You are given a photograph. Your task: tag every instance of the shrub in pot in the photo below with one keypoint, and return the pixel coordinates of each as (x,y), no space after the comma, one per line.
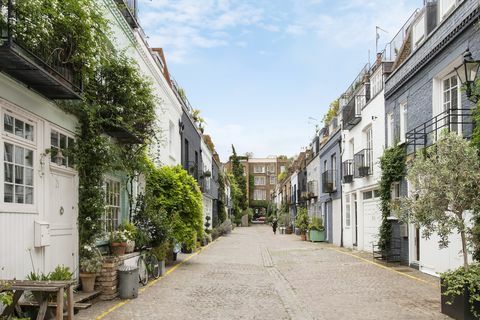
(316,230)
(118,242)
(301,222)
(160,253)
(130,231)
(90,264)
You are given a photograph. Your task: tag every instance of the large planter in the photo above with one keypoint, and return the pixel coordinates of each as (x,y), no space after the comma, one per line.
(88,281)
(289,230)
(303,236)
(460,309)
(130,246)
(317,236)
(118,248)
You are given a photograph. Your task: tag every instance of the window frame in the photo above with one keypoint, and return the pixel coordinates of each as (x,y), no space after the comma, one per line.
(107,206)
(348,211)
(259,178)
(403,121)
(68,135)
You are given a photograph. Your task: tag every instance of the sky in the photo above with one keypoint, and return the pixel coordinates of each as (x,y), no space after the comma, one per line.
(260,70)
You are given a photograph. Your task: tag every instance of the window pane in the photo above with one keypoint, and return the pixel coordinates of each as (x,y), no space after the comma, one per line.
(28,195)
(19,175)
(8,193)
(28,131)
(28,158)
(8,172)
(8,156)
(19,128)
(8,123)
(63,141)
(19,190)
(54,138)
(29,177)
(71,146)
(19,155)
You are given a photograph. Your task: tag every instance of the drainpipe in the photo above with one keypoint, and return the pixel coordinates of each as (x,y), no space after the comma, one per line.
(341,192)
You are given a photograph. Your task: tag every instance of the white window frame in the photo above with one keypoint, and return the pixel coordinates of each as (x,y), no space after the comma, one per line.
(418,31)
(390,128)
(33,145)
(260,180)
(51,128)
(258,169)
(348,211)
(445,7)
(107,205)
(273,180)
(403,121)
(259,194)
(369,147)
(333,165)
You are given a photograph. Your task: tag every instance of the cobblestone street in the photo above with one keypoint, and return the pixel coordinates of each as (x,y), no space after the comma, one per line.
(252,274)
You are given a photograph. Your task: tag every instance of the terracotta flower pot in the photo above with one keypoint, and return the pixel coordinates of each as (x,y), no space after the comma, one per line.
(88,281)
(118,248)
(303,237)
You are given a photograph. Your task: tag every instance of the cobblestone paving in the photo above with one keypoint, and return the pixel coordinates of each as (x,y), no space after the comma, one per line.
(252,274)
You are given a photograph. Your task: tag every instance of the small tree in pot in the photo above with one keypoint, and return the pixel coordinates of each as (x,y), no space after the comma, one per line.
(302,221)
(445,186)
(91,263)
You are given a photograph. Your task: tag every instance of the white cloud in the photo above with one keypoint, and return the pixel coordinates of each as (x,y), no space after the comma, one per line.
(295,30)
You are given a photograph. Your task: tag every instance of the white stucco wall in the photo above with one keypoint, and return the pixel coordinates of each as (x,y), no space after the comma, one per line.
(313,174)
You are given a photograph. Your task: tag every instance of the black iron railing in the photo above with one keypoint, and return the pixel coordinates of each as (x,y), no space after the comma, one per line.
(329,183)
(426,134)
(42,68)
(363,163)
(348,171)
(352,112)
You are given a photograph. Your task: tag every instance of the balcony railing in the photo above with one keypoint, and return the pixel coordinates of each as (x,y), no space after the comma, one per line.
(41,69)
(329,182)
(352,112)
(348,171)
(363,163)
(312,191)
(129,9)
(426,134)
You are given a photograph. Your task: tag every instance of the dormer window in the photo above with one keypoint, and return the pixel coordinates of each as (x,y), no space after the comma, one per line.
(418,32)
(445,7)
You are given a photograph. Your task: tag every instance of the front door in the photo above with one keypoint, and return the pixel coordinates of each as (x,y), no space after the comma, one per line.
(62,216)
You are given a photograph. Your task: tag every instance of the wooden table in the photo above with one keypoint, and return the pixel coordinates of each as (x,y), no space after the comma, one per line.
(41,290)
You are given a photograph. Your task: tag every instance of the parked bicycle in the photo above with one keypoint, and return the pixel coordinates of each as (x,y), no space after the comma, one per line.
(148,266)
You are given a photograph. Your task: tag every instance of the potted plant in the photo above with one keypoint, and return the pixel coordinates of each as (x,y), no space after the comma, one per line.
(90,264)
(316,230)
(160,253)
(118,242)
(130,231)
(363,171)
(301,222)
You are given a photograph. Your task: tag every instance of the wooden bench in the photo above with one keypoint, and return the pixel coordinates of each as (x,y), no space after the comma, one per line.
(41,291)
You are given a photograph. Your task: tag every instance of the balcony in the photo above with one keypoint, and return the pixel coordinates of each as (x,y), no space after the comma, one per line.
(363,162)
(312,191)
(129,9)
(42,71)
(352,112)
(329,182)
(426,134)
(348,171)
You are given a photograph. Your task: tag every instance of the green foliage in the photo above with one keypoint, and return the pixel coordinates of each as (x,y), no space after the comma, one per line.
(456,281)
(91,263)
(61,273)
(316,224)
(222,213)
(476,142)
(251,187)
(160,251)
(260,204)
(302,221)
(392,164)
(444,186)
(240,180)
(332,112)
(129,229)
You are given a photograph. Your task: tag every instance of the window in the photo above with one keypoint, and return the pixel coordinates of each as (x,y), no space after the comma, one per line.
(403,121)
(112,205)
(395,190)
(59,141)
(376,193)
(271,168)
(258,169)
(259,194)
(18,127)
(390,128)
(376,83)
(273,180)
(18,174)
(282,169)
(369,148)
(333,165)
(260,181)
(418,32)
(325,166)
(347,210)
(445,7)
(367,195)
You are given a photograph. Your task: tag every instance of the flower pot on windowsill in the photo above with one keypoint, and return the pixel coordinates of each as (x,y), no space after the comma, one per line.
(88,281)
(118,248)
(348,178)
(363,171)
(460,307)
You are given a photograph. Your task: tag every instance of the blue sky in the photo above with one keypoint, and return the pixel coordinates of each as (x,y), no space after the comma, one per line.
(259,69)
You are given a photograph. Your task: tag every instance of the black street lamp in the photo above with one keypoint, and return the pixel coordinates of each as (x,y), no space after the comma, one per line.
(467,73)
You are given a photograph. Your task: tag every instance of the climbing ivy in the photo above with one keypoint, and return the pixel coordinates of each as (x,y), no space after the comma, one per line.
(476,142)
(392,164)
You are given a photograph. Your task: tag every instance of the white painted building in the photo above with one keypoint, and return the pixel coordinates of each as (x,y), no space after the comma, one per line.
(313,179)
(363,144)
(206,182)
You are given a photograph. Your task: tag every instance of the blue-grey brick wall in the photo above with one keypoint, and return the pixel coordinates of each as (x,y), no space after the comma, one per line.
(413,81)
(194,142)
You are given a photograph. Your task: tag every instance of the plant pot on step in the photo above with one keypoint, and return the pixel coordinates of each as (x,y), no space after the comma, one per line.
(460,307)
(118,248)
(317,235)
(130,246)
(88,281)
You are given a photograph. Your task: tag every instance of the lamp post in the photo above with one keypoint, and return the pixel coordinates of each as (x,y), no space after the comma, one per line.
(467,73)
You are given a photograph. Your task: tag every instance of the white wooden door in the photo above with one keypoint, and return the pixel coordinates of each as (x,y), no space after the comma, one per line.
(372,220)
(62,216)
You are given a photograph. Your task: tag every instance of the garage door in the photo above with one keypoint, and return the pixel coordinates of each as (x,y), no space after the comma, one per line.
(372,220)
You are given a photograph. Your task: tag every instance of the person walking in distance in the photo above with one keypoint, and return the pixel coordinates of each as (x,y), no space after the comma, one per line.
(274,226)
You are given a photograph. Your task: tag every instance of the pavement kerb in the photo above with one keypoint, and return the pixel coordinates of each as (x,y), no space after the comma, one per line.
(142,290)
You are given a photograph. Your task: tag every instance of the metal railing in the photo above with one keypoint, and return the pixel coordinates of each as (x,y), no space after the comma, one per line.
(329,181)
(312,189)
(427,133)
(52,60)
(359,80)
(348,171)
(363,163)
(351,113)
(392,49)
